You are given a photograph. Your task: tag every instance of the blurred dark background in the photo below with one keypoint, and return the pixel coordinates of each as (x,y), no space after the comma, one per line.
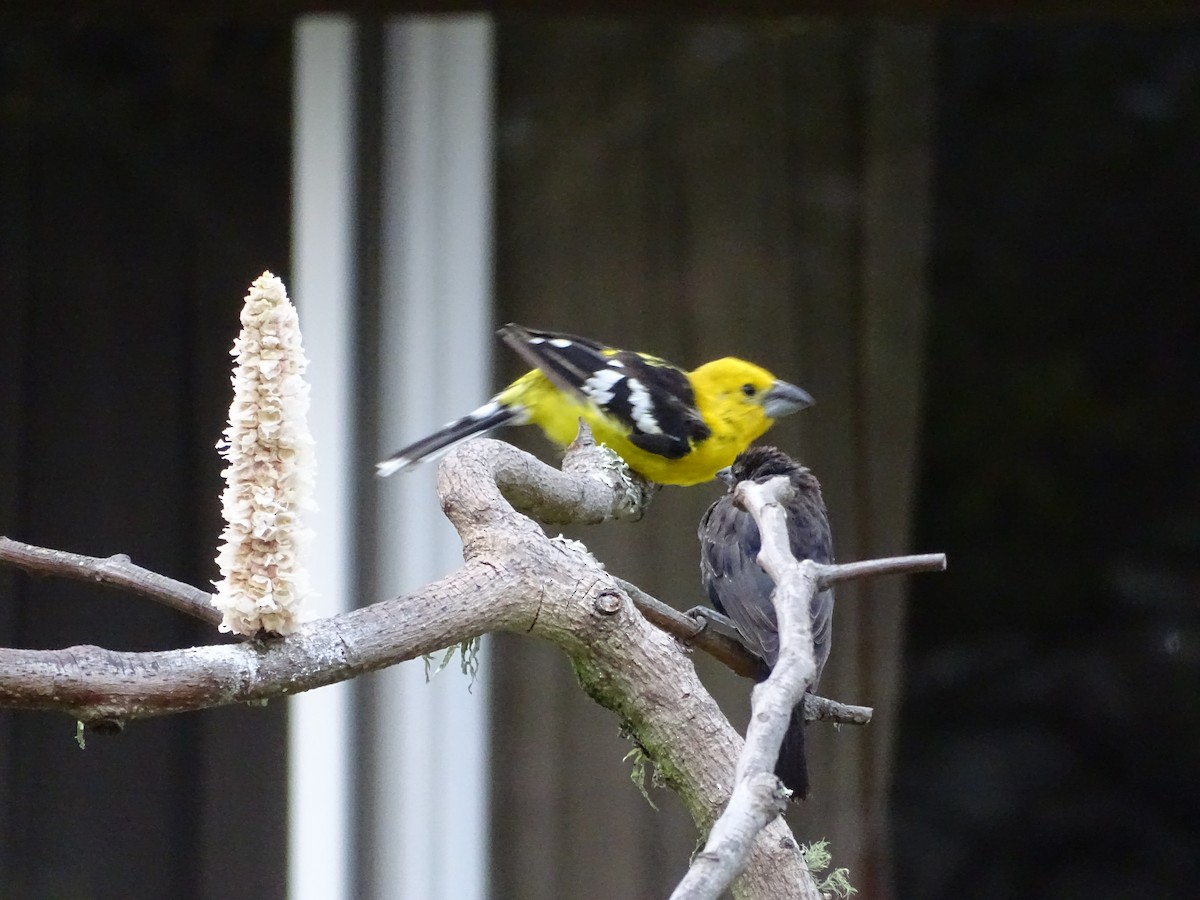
(1047,729)
(1051,722)
(143,182)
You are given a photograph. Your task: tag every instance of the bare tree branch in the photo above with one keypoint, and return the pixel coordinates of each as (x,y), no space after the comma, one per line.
(627,665)
(514,578)
(828,575)
(106,688)
(116,571)
(96,685)
(757,801)
(735,655)
(687,630)
(119,572)
(757,794)
(822,709)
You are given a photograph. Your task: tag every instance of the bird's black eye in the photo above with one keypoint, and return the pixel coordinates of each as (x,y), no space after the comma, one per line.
(749,390)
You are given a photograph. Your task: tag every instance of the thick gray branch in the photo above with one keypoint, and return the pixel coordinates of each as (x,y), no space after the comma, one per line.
(120,572)
(104,687)
(632,668)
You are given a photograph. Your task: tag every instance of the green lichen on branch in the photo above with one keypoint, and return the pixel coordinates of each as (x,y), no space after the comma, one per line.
(468,652)
(597,684)
(818,858)
(637,774)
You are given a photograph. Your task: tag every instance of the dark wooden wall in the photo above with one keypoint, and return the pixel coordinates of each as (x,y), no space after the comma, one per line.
(698,190)
(143,184)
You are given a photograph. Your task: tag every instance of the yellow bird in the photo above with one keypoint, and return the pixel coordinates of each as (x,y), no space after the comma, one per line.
(669,425)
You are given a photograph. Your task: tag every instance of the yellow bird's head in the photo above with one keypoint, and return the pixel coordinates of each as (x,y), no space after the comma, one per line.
(744,398)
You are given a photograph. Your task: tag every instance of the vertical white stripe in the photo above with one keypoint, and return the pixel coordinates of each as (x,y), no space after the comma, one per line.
(429,774)
(322,266)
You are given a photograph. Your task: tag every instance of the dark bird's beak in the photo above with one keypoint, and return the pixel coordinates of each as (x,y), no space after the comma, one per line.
(726,475)
(783,399)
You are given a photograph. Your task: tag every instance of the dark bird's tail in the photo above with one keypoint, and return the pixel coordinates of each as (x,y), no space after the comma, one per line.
(792,767)
(490,415)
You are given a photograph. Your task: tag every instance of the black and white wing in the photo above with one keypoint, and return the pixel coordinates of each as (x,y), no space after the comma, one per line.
(648,397)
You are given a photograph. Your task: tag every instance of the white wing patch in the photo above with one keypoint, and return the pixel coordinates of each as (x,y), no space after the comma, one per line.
(599,387)
(391,466)
(643,408)
(561,343)
(490,409)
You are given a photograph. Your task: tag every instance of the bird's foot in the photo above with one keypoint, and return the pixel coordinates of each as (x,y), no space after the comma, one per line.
(708,619)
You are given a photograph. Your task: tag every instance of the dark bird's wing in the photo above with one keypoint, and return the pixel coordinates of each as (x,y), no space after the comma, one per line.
(738,587)
(736,584)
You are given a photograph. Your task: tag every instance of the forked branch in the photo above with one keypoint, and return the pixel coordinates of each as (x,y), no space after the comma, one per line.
(514,578)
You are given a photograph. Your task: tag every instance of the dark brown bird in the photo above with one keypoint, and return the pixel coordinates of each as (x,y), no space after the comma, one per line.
(739,588)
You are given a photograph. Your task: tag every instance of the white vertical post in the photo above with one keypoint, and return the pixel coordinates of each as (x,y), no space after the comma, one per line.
(319,735)
(429,776)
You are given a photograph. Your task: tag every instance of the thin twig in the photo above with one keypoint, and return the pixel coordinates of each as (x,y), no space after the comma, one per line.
(828,575)
(734,655)
(822,709)
(688,631)
(115,571)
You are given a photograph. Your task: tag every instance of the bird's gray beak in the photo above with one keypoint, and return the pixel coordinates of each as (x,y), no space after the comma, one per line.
(726,475)
(783,399)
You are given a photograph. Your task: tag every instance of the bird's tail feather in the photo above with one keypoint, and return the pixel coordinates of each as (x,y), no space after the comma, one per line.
(792,767)
(490,415)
